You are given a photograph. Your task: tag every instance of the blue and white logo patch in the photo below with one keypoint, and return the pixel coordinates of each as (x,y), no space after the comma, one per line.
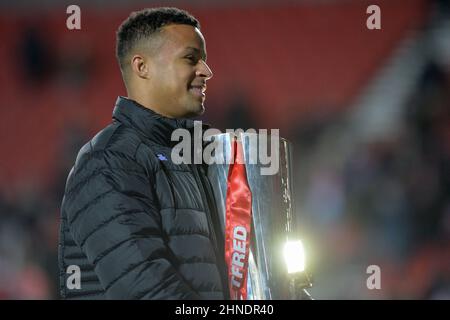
(161,157)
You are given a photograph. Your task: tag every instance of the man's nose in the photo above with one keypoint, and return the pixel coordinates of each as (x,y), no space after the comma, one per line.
(204,70)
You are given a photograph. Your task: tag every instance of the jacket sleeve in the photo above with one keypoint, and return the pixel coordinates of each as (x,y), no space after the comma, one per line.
(113,216)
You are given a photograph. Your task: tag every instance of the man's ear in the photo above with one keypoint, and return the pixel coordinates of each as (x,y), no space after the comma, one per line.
(140,66)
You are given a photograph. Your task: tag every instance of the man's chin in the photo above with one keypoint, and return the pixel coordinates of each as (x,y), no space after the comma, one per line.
(196,111)
(201,110)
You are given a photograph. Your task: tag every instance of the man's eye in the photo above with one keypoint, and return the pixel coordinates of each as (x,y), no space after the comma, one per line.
(191,59)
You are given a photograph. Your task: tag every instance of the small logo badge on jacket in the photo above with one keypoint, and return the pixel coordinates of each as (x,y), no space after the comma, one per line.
(161,157)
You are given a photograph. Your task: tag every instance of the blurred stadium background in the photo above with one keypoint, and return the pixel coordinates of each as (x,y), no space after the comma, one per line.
(368,112)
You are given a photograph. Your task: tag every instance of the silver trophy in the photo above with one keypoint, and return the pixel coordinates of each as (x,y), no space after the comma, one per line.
(275,268)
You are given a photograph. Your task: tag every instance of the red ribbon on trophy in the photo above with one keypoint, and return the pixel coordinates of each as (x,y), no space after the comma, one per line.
(238,224)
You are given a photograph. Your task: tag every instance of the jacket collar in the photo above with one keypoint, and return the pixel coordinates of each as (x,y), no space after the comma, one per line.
(154,126)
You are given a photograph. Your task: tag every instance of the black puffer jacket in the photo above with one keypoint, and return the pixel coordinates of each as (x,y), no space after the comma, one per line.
(137,225)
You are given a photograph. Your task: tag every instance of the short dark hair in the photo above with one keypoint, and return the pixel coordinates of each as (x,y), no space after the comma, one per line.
(142,24)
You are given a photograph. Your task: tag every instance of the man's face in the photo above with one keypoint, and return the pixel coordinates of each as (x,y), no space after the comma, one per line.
(178,72)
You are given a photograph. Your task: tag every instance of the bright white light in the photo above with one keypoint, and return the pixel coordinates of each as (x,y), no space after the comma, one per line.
(294,255)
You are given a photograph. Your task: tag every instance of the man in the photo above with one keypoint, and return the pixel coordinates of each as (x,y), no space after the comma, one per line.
(137,225)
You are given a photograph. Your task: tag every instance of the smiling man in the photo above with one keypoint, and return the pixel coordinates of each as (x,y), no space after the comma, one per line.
(137,225)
